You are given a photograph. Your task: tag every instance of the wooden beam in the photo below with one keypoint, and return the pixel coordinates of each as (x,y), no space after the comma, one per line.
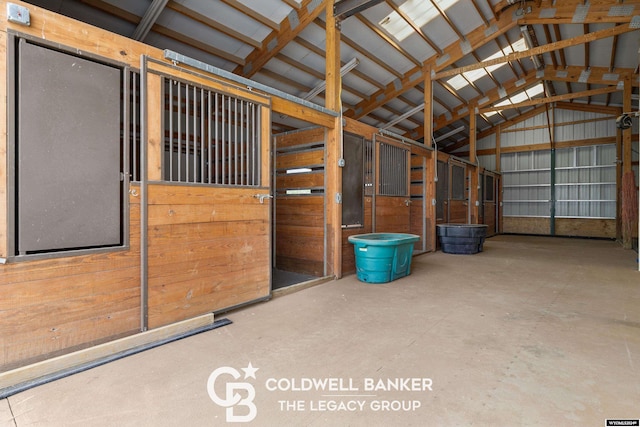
(492,96)
(596,75)
(389,40)
(596,35)
(333,173)
(428,108)
(472,134)
(613,111)
(218,26)
(278,39)
(599,12)
(547,100)
(415,76)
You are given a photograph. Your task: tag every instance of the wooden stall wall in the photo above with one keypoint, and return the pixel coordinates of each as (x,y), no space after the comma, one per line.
(208,249)
(348,254)
(53,306)
(299,201)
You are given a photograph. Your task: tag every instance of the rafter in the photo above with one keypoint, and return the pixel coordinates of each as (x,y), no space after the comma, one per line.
(413,25)
(218,26)
(598,12)
(355,46)
(278,39)
(596,35)
(413,77)
(549,99)
(492,96)
(388,39)
(597,75)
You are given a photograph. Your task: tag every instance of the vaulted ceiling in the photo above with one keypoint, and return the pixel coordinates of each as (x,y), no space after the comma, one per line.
(496,57)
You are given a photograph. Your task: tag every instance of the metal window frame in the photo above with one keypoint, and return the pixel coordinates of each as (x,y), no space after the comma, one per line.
(11,63)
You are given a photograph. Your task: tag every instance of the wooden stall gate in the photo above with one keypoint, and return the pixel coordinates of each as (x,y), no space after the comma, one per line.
(488,195)
(392,197)
(458,194)
(206,192)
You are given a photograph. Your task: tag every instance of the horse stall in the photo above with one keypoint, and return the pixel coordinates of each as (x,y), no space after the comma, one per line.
(137,196)
(386,181)
(299,206)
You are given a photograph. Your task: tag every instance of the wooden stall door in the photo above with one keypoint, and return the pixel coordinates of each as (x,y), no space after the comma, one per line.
(392,206)
(442,193)
(489,205)
(209,206)
(458,194)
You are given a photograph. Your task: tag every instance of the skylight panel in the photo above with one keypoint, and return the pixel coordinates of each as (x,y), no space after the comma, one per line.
(419,11)
(519,97)
(457,82)
(536,90)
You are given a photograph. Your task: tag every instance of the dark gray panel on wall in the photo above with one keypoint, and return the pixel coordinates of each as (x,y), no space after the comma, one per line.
(353,180)
(68,151)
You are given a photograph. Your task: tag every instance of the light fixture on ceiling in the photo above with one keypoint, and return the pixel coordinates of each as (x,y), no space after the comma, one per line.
(409,113)
(323,84)
(530,45)
(449,134)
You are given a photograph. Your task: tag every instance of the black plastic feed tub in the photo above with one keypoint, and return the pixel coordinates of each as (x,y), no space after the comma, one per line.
(462,239)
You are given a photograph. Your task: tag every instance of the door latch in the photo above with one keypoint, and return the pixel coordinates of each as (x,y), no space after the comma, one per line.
(262,197)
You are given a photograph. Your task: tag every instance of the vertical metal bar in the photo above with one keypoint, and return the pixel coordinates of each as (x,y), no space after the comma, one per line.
(194,111)
(229,136)
(223,163)
(254,137)
(235,141)
(186,132)
(202,133)
(217,136)
(209,146)
(179,156)
(171,165)
(242,141)
(144,309)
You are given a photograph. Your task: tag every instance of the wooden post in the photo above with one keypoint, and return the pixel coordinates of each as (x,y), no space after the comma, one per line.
(430,184)
(475,174)
(627,157)
(155,110)
(333,180)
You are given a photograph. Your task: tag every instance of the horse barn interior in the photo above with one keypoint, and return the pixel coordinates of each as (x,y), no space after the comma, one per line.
(172,162)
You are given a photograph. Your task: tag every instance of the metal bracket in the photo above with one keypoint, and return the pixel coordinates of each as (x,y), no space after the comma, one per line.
(261,197)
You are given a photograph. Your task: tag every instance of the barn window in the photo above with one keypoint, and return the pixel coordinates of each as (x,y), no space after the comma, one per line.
(210,137)
(394,171)
(67,177)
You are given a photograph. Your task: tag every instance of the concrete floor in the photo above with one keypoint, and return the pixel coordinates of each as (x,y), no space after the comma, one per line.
(533,331)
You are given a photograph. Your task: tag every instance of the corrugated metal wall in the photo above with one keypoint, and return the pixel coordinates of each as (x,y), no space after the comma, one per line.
(579,125)
(526,183)
(585,181)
